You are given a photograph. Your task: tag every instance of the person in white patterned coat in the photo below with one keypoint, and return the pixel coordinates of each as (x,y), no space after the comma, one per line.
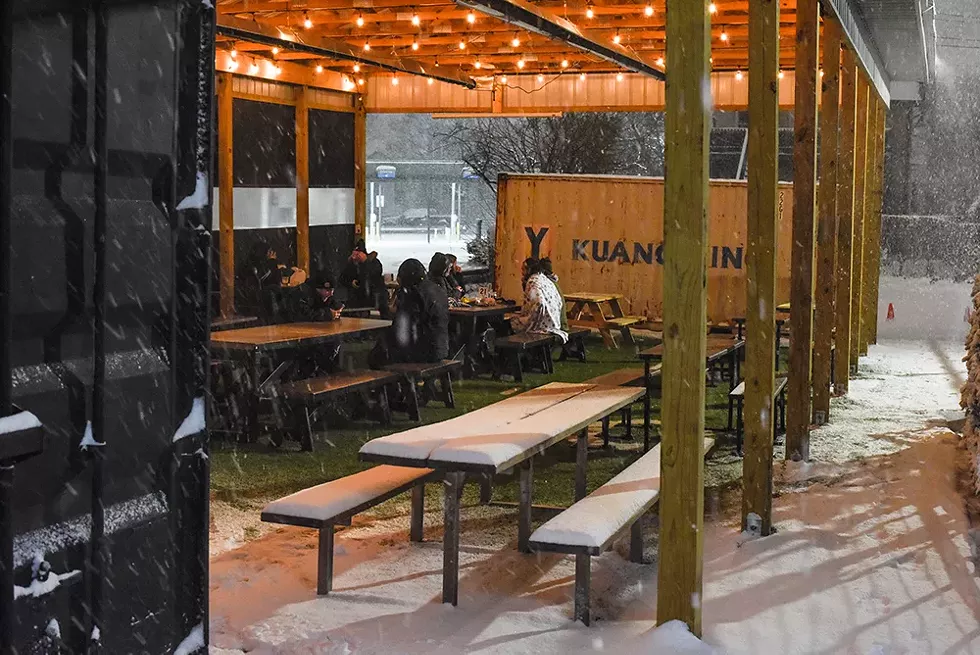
(543,305)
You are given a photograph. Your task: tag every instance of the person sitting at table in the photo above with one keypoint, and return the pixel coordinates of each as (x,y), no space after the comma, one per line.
(543,306)
(576,350)
(452,275)
(350,282)
(420,326)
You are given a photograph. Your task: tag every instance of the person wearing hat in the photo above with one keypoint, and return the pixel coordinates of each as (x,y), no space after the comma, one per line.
(420,327)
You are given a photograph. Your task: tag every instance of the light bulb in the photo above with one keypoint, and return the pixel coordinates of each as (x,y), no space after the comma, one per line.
(319,68)
(648,10)
(617,38)
(360,20)
(564,63)
(712,8)
(430,81)
(782,74)
(360,81)
(477,65)
(589,12)
(233,53)
(394,81)
(415,45)
(462,45)
(660,61)
(416,20)
(515,42)
(253,68)
(307,23)
(503,79)
(738,75)
(357,68)
(724,36)
(275,50)
(540,77)
(233,65)
(619,77)
(276,70)
(471,18)
(367,46)
(821,73)
(581,76)
(520,63)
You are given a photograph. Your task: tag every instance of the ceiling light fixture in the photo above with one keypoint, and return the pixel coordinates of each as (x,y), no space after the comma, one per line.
(416,20)
(520,63)
(738,76)
(724,36)
(275,50)
(471,18)
(564,63)
(648,10)
(319,68)
(415,45)
(516,41)
(307,23)
(360,20)
(589,11)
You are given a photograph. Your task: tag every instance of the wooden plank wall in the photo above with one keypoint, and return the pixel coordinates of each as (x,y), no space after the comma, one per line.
(605,211)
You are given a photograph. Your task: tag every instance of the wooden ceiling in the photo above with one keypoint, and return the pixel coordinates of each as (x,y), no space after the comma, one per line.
(441,33)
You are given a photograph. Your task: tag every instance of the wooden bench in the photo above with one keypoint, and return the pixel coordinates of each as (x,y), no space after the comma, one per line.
(606,324)
(575,346)
(315,393)
(593,524)
(336,502)
(737,397)
(410,374)
(513,349)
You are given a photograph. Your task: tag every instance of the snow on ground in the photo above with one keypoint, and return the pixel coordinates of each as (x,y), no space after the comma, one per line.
(924,309)
(393,249)
(871,557)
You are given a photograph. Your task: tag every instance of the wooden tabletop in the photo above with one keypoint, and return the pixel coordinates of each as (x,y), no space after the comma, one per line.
(586,296)
(269,337)
(483,310)
(498,437)
(717,345)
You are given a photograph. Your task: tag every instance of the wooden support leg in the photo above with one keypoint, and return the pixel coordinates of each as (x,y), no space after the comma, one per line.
(450,397)
(605,432)
(412,397)
(307,444)
(518,367)
(486,489)
(384,406)
(583,581)
(526,471)
(324,564)
(581,463)
(452,489)
(418,512)
(628,420)
(636,541)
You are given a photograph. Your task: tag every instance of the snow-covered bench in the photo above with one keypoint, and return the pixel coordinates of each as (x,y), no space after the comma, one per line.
(737,396)
(590,526)
(335,502)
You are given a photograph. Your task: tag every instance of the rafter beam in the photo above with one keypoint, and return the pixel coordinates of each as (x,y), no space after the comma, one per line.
(255,32)
(534,19)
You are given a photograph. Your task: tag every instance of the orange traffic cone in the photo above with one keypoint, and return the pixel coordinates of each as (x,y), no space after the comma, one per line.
(891,313)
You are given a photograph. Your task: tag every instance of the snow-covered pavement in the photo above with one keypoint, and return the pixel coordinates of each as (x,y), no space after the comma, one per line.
(872,557)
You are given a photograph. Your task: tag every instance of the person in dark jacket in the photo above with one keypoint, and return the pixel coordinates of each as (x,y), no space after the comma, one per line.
(452,276)
(420,328)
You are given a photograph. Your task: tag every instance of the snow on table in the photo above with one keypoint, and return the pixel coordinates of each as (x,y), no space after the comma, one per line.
(18,422)
(594,520)
(418,443)
(335,498)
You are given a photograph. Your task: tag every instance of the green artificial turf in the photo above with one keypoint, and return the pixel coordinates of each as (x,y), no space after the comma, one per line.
(261,471)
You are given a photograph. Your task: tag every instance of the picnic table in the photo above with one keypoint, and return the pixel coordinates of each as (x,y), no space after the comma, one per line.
(232,322)
(719,348)
(589,311)
(498,438)
(283,344)
(780,323)
(466,324)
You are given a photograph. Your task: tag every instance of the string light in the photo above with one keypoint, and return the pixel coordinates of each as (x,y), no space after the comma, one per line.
(357,68)
(471,18)
(394,81)
(276,70)
(233,65)
(616,37)
(367,46)
(253,68)
(360,20)
(416,21)
(821,73)
(233,53)
(564,63)
(724,36)
(581,76)
(430,81)
(712,8)
(516,41)
(520,63)
(319,68)
(462,45)
(589,11)
(782,74)
(738,75)
(619,77)
(660,61)
(540,77)
(648,10)
(360,81)
(275,50)
(415,45)
(477,65)
(307,23)
(503,79)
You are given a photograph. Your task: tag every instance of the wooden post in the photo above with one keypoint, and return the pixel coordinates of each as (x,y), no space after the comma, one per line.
(303,179)
(845,225)
(823,315)
(360,168)
(879,202)
(688,119)
(804,211)
(860,170)
(226,195)
(763,219)
(868,242)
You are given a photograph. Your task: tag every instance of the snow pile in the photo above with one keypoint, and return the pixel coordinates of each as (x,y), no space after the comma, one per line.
(970,395)
(193,642)
(673,638)
(40,588)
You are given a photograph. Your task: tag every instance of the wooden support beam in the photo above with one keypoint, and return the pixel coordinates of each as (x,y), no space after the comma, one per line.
(845,224)
(763,219)
(226,195)
(860,177)
(824,310)
(303,179)
(687,123)
(804,212)
(360,167)
(879,203)
(868,241)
